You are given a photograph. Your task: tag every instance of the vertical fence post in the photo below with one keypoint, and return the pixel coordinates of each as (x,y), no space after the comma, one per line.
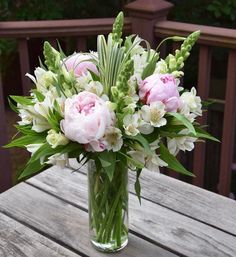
(229,126)
(24,64)
(144,14)
(5,167)
(204,73)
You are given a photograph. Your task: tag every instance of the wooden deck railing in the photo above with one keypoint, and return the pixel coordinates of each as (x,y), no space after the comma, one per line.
(148,19)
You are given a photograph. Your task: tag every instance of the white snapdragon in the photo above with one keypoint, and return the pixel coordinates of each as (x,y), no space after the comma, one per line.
(131,123)
(56,138)
(152,162)
(183,143)
(113,139)
(154,114)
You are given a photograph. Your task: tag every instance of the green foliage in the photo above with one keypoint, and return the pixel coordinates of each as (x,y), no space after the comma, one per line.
(220,13)
(172,162)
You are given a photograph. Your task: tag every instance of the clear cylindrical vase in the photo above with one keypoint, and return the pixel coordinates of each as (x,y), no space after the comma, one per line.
(108,208)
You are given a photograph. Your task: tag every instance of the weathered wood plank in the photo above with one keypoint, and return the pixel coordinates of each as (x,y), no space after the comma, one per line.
(192,201)
(205,206)
(17,240)
(64,222)
(157,223)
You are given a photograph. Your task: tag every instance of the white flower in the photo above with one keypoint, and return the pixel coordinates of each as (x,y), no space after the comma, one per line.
(54,139)
(152,162)
(58,159)
(161,67)
(191,106)
(26,117)
(43,79)
(145,127)
(32,148)
(94,87)
(131,124)
(113,139)
(154,114)
(184,143)
(40,124)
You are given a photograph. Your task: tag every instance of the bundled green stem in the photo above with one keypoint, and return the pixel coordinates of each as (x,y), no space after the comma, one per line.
(108,206)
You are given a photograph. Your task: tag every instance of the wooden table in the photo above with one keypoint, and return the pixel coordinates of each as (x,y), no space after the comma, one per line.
(47,216)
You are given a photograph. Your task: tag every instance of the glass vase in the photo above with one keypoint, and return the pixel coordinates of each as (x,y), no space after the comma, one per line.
(108,208)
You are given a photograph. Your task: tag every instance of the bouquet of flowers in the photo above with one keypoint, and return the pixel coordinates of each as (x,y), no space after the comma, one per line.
(118,108)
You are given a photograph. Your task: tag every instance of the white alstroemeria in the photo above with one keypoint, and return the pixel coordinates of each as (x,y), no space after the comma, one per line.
(44,80)
(191,103)
(26,117)
(184,143)
(152,162)
(58,159)
(154,114)
(145,127)
(113,139)
(56,138)
(94,87)
(130,124)
(32,148)
(155,144)
(40,124)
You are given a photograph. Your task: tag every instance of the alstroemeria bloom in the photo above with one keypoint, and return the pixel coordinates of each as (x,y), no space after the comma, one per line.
(161,88)
(80,64)
(86,118)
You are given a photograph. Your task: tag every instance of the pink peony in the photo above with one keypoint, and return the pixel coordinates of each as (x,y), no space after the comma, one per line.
(80,64)
(160,87)
(86,118)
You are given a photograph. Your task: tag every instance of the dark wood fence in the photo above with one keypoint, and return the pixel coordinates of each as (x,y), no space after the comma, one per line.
(148,19)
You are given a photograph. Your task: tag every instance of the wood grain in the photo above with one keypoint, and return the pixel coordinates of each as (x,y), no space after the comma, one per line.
(63,222)
(181,234)
(17,240)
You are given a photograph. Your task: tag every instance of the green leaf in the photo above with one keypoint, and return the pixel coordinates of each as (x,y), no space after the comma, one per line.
(26,140)
(203,134)
(137,185)
(31,169)
(46,150)
(142,140)
(172,162)
(12,105)
(24,100)
(136,163)
(94,76)
(38,95)
(184,121)
(108,162)
(149,69)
